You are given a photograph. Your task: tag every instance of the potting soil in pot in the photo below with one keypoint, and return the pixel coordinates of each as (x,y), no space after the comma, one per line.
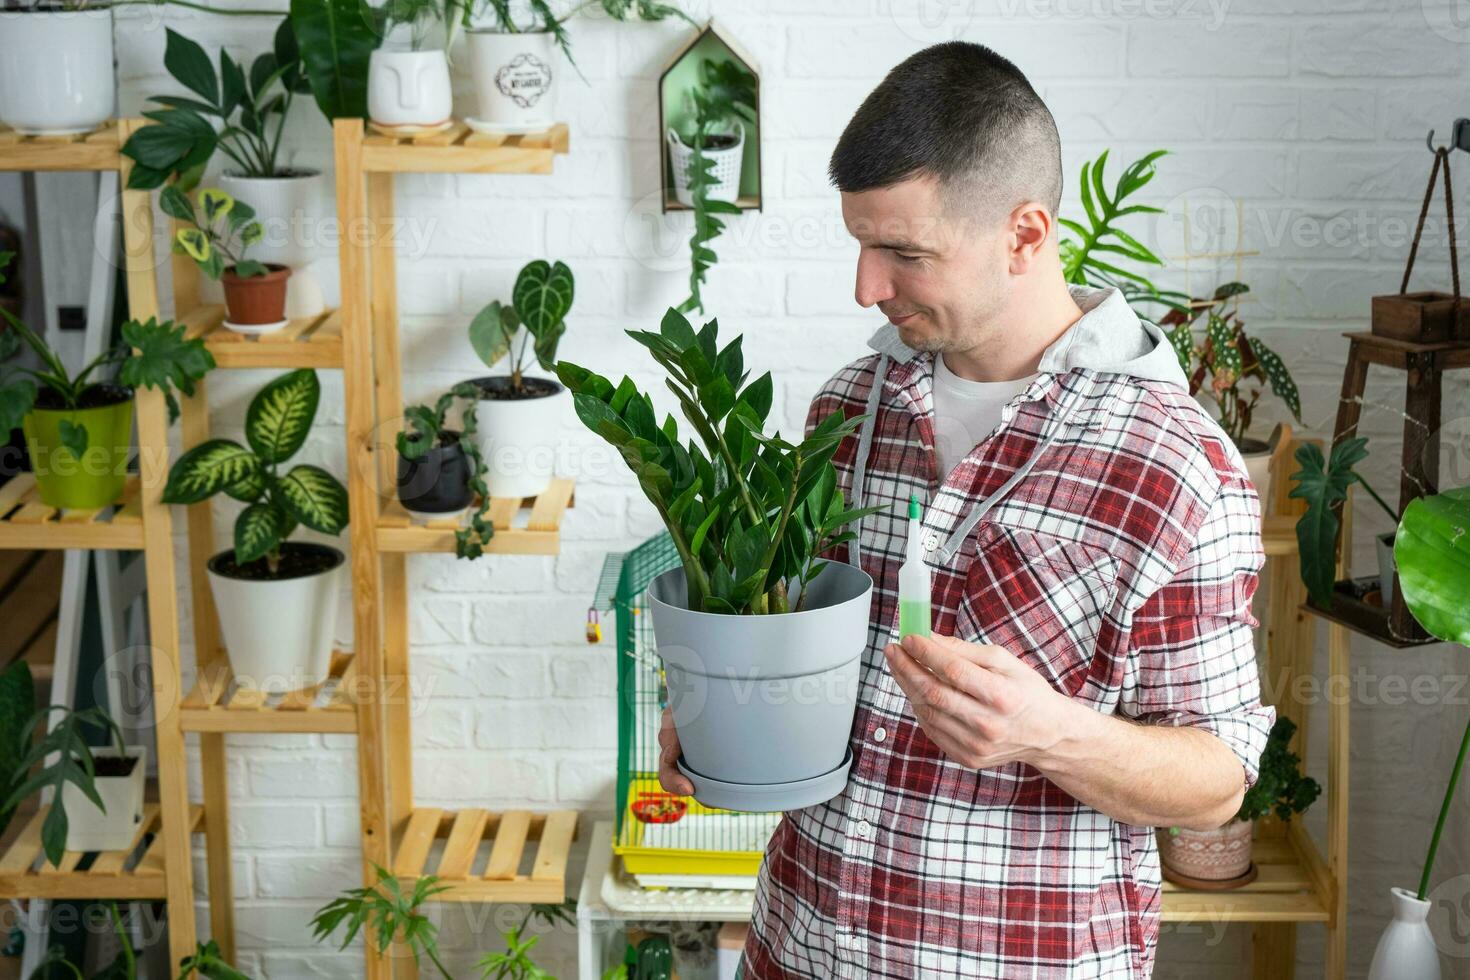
(294,563)
(113,766)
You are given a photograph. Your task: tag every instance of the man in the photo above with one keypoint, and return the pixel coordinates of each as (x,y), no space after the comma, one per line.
(1093,541)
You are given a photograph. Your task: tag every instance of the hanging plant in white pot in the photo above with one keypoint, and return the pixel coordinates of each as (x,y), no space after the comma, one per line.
(250,109)
(277,599)
(56,68)
(761,639)
(519,416)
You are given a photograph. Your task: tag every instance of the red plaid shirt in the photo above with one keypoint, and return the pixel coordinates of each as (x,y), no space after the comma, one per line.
(1122,568)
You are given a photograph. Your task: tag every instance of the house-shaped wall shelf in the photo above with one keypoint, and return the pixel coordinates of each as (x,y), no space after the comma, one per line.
(675,111)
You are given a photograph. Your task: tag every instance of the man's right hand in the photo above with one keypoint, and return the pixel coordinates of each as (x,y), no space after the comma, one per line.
(669,776)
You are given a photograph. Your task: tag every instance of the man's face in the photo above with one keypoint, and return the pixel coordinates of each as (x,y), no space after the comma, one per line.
(938,273)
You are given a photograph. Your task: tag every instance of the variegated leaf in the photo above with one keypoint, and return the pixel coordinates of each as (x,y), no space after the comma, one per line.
(543,295)
(280,415)
(315,498)
(207,469)
(258,530)
(1280,378)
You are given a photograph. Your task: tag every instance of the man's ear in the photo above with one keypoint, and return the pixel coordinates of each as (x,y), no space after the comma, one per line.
(1031,226)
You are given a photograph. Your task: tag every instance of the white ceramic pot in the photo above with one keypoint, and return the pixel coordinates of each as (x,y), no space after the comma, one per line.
(111,829)
(288,209)
(726,170)
(514,80)
(1406,950)
(56,70)
(409,88)
(1258,467)
(518,437)
(278,633)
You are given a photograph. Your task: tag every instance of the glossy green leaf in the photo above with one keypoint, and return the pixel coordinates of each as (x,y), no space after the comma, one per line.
(336,40)
(190,66)
(1432,551)
(280,416)
(258,531)
(209,468)
(315,498)
(543,295)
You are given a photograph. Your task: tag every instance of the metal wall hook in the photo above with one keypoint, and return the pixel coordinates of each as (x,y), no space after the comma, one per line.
(1459,137)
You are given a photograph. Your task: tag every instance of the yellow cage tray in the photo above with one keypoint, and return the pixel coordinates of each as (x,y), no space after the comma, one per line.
(673,848)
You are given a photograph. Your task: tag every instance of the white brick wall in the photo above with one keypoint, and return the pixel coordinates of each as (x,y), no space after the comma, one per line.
(1308,115)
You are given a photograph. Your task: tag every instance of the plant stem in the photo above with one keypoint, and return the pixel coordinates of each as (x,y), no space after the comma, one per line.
(122,938)
(434,957)
(1444,812)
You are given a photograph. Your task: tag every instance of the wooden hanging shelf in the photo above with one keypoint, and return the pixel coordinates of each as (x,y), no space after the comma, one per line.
(500,878)
(538,534)
(1292,886)
(134,873)
(461,150)
(305,342)
(25,522)
(97,150)
(216,704)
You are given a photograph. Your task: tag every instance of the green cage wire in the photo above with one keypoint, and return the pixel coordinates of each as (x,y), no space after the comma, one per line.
(663,839)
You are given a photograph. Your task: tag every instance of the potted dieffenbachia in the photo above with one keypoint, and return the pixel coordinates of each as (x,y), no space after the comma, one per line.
(277,599)
(761,639)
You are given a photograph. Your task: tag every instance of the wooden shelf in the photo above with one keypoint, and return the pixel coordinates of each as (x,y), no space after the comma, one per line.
(25,522)
(97,150)
(539,534)
(305,342)
(461,150)
(1365,619)
(499,878)
(134,873)
(1278,535)
(1292,886)
(745,202)
(216,704)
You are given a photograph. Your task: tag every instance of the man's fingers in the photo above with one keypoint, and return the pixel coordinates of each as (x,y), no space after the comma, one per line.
(961,665)
(669,776)
(921,687)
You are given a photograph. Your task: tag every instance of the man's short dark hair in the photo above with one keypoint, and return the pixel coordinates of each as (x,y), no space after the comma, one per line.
(964,115)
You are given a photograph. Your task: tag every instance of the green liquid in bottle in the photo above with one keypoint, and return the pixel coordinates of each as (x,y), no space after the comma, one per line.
(913,617)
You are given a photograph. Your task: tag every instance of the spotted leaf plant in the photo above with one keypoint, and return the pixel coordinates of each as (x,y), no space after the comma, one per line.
(276,425)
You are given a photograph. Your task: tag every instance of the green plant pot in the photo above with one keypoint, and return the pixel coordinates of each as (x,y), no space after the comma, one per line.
(96,479)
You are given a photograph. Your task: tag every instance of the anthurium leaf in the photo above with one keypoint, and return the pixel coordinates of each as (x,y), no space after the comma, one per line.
(1432,551)
(487,336)
(315,498)
(543,295)
(257,532)
(280,415)
(209,468)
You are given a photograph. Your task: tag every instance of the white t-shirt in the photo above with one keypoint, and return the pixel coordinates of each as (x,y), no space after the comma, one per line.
(966,412)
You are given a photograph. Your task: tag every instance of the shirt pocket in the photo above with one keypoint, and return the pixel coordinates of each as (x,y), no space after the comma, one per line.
(1041,597)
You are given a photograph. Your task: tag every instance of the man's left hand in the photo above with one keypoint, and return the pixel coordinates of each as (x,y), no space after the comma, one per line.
(978,703)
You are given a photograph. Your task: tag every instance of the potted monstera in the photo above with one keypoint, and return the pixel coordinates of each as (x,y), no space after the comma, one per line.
(78,427)
(520,415)
(761,639)
(277,599)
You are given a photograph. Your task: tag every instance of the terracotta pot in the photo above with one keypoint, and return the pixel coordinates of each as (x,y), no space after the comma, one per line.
(1212,855)
(254,300)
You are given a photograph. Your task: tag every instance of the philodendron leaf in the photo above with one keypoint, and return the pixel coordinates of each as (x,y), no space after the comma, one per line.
(1321,483)
(258,530)
(315,498)
(209,468)
(163,359)
(73,437)
(543,295)
(279,417)
(1432,551)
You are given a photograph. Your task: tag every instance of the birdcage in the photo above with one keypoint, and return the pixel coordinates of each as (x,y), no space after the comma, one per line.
(664,840)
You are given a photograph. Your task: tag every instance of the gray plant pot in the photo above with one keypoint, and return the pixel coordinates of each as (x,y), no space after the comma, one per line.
(764,704)
(1386,566)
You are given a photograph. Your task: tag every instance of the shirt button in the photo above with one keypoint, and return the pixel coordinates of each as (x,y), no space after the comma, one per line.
(864,829)
(931,542)
(879,734)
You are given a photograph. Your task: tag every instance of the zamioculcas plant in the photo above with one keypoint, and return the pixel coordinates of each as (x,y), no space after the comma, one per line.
(276,426)
(1228,357)
(1089,259)
(748,512)
(1322,482)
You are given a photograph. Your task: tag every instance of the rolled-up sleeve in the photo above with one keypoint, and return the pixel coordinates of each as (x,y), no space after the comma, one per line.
(1192,641)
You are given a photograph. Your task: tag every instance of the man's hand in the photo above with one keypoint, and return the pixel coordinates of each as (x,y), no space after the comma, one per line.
(977,702)
(669,776)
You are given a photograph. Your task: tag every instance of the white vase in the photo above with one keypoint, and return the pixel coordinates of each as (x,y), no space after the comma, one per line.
(1406,950)
(288,209)
(56,70)
(409,88)
(1258,468)
(514,80)
(518,438)
(112,829)
(278,633)
(726,169)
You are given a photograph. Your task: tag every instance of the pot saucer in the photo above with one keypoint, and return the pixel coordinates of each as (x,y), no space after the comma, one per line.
(503,129)
(410,129)
(765,797)
(254,329)
(1209,884)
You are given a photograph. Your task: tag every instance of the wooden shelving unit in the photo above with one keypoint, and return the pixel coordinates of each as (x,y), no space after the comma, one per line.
(486,856)
(158,866)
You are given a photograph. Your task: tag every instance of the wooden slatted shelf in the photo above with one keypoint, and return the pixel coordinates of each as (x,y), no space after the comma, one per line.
(538,534)
(503,839)
(134,873)
(25,522)
(305,342)
(1291,886)
(461,150)
(217,704)
(97,150)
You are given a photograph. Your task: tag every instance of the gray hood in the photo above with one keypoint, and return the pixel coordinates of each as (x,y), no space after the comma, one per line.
(1109,337)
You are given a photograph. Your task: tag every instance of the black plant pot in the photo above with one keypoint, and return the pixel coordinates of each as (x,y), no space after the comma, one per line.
(438,482)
